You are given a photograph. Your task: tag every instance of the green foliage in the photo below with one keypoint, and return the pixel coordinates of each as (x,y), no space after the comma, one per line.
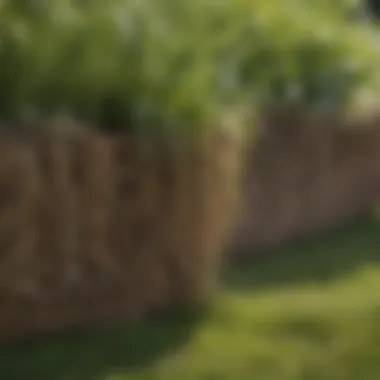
(127,62)
(306,51)
(175,62)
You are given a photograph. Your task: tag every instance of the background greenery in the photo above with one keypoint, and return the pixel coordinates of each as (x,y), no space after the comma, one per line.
(179,63)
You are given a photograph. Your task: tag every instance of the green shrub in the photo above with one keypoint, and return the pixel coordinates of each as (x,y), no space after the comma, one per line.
(175,62)
(306,51)
(117,63)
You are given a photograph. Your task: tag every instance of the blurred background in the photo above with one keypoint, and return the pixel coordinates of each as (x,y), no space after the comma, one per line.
(298,277)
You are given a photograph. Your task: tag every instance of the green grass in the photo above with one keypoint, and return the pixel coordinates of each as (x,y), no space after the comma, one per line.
(308,312)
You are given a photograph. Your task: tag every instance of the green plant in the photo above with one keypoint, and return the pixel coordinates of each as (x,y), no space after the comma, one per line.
(126,62)
(307,52)
(176,63)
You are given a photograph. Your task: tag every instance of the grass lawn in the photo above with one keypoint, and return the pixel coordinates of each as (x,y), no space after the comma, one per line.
(310,312)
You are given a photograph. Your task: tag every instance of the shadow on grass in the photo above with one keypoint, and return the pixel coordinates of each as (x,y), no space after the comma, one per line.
(94,355)
(321,259)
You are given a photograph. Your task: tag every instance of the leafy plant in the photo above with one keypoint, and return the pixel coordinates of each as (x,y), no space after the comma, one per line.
(178,63)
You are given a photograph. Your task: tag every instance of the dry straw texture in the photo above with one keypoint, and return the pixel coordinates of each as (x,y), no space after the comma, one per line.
(94,228)
(307,172)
